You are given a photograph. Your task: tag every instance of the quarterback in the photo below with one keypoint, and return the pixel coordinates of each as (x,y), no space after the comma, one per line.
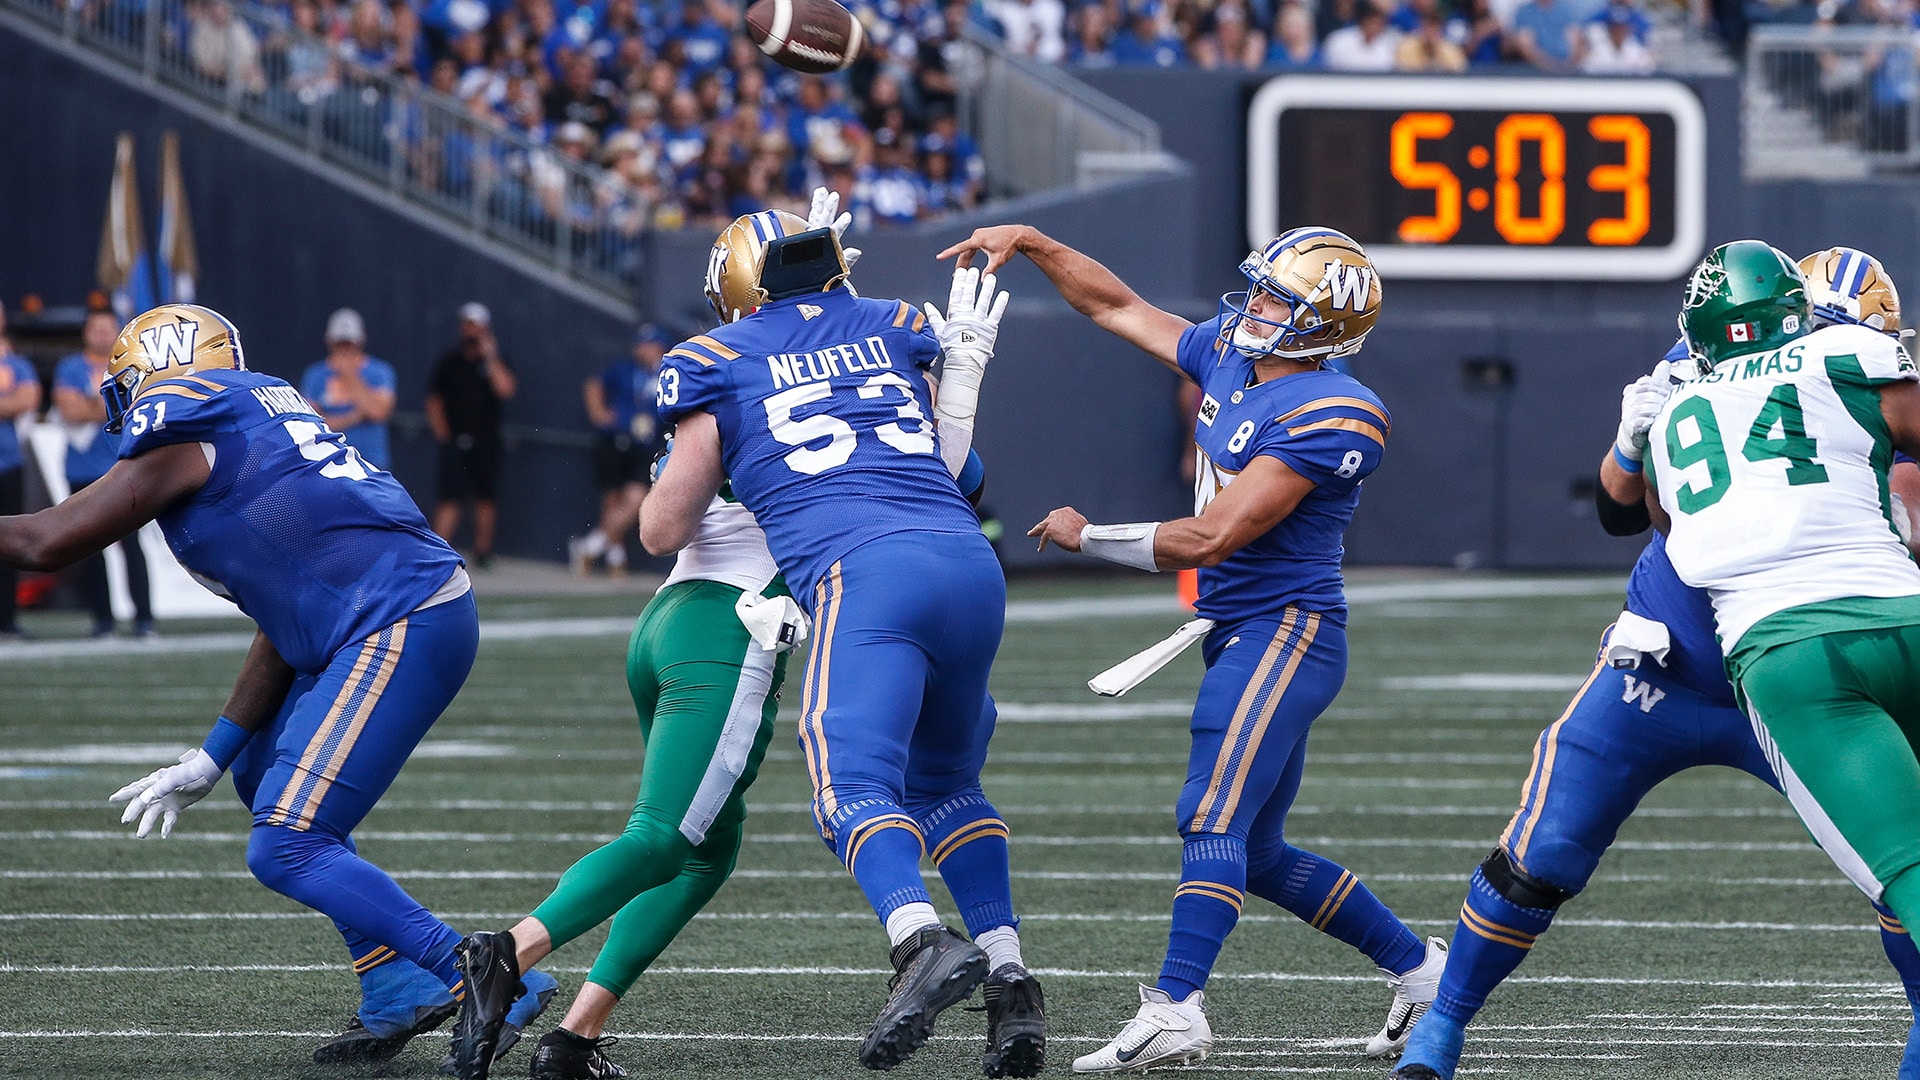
(1769,475)
(1283,444)
(1657,703)
(366,631)
(812,405)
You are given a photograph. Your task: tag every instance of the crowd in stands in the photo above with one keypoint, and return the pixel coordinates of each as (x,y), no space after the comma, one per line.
(1601,37)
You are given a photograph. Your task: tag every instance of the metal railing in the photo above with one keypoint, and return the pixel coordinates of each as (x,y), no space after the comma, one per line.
(1038,128)
(421,146)
(1831,101)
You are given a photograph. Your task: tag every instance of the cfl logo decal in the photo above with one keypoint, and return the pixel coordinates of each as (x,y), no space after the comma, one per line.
(170,343)
(1349,287)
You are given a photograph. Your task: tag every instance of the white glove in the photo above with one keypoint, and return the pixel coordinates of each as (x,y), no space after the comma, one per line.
(825,214)
(972,322)
(1640,402)
(163,793)
(776,624)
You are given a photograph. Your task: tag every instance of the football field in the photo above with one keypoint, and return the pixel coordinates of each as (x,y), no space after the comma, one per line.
(1716,941)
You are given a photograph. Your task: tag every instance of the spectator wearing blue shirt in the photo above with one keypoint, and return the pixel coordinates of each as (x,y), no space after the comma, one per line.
(1294,47)
(1146,44)
(703,40)
(90,453)
(1543,32)
(19,396)
(353,391)
(889,190)
(1092,43)
(626,438)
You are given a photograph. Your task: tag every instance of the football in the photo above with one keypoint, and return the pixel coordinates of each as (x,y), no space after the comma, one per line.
(811,36)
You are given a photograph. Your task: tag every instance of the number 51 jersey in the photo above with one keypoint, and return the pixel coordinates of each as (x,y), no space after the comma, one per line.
(825,430)
(318,547)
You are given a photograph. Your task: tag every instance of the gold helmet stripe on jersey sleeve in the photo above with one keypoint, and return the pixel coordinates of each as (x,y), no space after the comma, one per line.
(1344,423)
(1339,403)
(689,354)
(713,347)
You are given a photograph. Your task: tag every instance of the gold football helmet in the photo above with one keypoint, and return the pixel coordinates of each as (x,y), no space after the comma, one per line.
(1848,285)
(168,341)
(1328,285)
(739,259)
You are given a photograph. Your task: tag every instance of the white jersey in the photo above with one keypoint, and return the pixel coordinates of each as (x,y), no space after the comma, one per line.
(1773,468)
(729,548)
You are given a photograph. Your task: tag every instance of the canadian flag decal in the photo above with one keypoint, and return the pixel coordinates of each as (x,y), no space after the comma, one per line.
(1742,331)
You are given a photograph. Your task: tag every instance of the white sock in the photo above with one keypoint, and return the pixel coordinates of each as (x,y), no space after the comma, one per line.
(1002,944)
(616,554)
(908,920)
(595,545)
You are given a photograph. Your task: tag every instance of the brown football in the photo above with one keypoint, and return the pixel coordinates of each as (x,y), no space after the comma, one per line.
(811,36)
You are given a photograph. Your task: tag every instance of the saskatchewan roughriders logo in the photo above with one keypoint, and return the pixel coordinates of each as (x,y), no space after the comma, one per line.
(1707,282)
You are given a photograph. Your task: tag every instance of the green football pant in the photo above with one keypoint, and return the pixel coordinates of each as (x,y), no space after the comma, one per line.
(1838,716)
(706,695)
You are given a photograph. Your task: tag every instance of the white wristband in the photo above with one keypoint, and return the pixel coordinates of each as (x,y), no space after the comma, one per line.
(1128,545)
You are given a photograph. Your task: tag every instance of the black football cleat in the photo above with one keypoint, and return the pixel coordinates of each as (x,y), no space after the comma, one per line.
(492,970)
(934,970)
(562,1055)
(358,1046)
(1415,1072)
(1016,1023)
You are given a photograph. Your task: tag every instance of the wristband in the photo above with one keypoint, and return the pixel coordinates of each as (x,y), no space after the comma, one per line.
(225,742)
(1128,545)
(1626,463)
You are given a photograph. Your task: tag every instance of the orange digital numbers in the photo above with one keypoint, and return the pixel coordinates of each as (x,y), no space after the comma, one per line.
(1628,178)
(1550,218)
(1417,175)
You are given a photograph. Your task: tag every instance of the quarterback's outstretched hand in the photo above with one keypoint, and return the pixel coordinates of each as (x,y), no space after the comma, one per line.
(1640,402)
(972,322)
(1063,527)
(825,214)
(163,793)
(1000,243)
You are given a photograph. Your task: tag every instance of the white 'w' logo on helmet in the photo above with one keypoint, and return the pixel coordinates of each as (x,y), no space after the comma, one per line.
(1348,286)
(170,343)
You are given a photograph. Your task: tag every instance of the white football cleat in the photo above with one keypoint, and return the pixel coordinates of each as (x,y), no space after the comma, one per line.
(1412,994)
(1164,1032)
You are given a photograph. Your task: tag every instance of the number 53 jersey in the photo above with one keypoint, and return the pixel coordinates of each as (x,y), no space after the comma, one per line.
(1324,425)
(318,547)
(825,424)
(1773,467)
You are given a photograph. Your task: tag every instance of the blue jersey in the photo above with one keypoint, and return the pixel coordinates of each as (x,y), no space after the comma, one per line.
(89,453)
(630,390)
(321,386)
(1655,591)
(318,547)
(1322,424)
(823,408)
(15,373)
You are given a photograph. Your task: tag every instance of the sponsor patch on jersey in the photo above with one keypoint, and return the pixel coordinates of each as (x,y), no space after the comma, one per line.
(1209,409)
(810,312)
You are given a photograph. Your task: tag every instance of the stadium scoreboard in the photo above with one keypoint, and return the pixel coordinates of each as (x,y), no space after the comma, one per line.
(1504,178)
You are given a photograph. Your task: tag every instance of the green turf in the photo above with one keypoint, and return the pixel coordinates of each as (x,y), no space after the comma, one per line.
(1406,786)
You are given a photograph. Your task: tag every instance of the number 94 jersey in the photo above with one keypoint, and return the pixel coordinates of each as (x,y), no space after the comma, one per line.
(1324,425)
(317,546)
(825,424)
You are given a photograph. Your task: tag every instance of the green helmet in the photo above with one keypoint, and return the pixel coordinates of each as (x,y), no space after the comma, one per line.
(1744,297)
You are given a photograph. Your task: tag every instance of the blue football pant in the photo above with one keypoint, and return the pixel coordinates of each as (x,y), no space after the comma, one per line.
(895,719)
(1267,680)
(1624,733)
(336,745)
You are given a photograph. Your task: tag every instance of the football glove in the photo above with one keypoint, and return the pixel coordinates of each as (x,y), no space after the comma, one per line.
(1640,402)
(825,213)
(162,794)
(972,320)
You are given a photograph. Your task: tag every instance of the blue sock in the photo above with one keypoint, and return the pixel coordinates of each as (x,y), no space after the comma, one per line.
(1906,960)
(968,843)
(1213,884)
(881,847)
(322,872)
(1331,899)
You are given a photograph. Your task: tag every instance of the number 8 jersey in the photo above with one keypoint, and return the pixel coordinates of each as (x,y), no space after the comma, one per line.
(825,424)
(318,547)
(1773,467)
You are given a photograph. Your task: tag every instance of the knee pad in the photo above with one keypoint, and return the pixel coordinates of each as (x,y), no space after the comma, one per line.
(1517,886)
(277,856)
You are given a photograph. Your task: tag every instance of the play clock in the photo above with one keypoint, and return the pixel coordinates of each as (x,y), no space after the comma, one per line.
(1515,178)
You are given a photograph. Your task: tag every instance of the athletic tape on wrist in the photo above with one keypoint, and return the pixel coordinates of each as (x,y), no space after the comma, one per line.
(1626,463)
(1128,545)
(225,742)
